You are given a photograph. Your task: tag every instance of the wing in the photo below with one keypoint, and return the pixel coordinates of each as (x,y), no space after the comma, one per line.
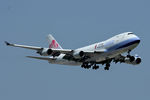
(42,51)
(23,46)
(63,51)
(90,54)
(70,54)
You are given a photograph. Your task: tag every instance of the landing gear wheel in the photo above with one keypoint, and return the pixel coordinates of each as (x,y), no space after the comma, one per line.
(86,66)
(128,56)
(132,58)
(107,66)
(95,67)
(82,65)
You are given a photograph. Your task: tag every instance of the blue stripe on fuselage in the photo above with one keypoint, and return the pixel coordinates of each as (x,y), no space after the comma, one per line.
(124,44)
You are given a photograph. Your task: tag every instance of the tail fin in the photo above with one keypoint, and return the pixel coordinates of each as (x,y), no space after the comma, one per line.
(53,43)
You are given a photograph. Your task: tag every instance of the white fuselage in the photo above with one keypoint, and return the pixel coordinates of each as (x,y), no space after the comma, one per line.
(113,46)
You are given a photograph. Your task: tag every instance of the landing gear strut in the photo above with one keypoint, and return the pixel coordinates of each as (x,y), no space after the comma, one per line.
(129,52)
(132,58)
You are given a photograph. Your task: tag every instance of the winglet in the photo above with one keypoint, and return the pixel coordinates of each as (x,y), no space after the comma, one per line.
(7,43)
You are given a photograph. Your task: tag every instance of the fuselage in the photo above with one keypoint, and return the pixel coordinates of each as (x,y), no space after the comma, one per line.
(113,46)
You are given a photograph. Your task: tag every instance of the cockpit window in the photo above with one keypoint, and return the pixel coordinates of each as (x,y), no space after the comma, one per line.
(130,33)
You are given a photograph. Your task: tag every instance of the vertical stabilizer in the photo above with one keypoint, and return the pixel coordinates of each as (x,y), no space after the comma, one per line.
(53,43)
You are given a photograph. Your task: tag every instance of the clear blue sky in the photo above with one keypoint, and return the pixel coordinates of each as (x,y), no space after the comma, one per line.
(74,23)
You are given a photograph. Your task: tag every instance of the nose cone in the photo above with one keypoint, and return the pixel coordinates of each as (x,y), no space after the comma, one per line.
(137,39)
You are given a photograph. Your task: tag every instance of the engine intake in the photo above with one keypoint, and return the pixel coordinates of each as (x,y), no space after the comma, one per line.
(138,60)
(49,51)
(78,54)
(45,52)
(81,53)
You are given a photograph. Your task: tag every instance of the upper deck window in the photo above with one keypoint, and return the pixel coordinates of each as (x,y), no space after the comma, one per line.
(130,33)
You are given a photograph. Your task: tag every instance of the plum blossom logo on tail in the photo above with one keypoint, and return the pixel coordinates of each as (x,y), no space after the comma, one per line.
(53,44)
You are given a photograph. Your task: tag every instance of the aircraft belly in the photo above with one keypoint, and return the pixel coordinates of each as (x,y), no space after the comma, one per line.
(65,62)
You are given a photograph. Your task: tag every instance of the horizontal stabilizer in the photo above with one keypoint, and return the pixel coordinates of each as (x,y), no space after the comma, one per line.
(42,58)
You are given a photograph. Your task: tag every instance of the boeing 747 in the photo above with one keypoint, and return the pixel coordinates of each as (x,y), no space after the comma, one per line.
(104,52)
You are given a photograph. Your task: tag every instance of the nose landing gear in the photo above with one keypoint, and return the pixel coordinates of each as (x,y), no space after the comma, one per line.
(132,58)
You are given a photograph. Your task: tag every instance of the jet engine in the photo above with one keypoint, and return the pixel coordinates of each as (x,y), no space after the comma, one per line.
(45,52)
(78,54)
(136,61)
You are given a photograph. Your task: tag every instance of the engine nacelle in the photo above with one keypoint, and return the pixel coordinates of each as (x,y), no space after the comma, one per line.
(136,61)
(78,54)
(45,52)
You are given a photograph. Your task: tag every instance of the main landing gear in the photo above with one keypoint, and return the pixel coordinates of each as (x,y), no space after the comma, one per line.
(94,66)
(107,66)
(87,66)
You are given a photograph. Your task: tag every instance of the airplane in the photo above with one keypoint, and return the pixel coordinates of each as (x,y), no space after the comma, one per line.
(104,52)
